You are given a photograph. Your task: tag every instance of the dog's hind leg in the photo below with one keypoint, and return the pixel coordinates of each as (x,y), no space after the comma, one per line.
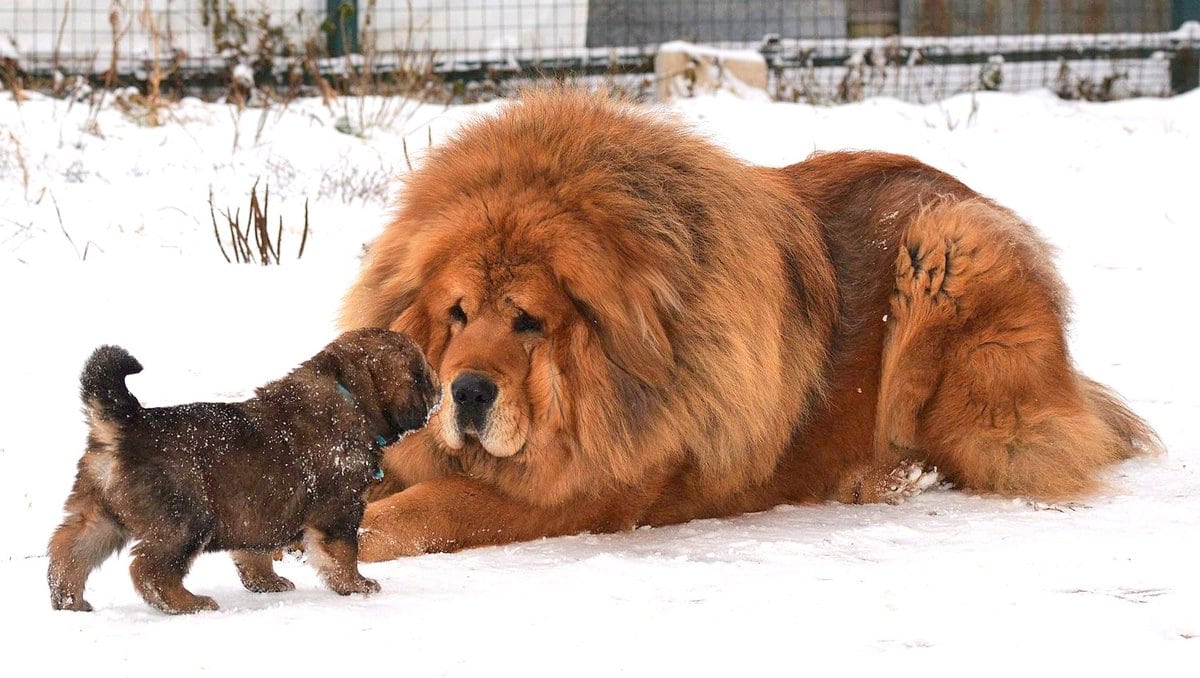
(162,559)
(257,571)
(86,538)
(921,322)
(977,377)
(921,317)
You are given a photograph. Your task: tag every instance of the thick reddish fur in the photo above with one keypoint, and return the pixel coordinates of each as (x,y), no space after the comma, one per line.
(717,338)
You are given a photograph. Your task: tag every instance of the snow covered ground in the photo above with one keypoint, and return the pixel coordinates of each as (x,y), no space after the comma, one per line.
(946,583)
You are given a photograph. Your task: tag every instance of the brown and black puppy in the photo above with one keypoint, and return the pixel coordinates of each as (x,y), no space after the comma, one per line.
(248,477)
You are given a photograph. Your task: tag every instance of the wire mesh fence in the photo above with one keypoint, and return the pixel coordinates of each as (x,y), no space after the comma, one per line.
(816,50)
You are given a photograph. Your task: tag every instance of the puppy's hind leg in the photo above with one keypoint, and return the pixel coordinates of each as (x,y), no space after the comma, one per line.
(161,560)
(86,538)
(257,572)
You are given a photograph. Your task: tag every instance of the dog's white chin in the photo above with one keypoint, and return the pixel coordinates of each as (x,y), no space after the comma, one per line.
(497,450)
(451,436)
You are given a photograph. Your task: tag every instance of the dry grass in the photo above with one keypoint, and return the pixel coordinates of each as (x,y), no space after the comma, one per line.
(12,79)
(252,243)
(24,167)
(153,98)
(87,247)
(120,27)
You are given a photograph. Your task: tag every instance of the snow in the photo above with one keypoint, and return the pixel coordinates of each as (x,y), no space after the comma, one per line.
(1188,30)
(696,50)
(243,75)
(941,583)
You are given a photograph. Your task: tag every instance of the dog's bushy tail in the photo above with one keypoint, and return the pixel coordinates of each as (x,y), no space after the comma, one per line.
(102,384)
(1134,436)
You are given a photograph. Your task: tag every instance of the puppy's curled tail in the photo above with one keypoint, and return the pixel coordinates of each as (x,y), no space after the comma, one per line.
(102,384)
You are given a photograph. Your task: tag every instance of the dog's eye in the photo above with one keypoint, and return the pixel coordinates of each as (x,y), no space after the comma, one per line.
(526,323)
(458,315)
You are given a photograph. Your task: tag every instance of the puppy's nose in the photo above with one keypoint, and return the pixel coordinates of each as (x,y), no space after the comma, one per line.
(474,394)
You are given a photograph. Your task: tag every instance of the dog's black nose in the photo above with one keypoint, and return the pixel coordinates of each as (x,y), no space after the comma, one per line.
(473,395)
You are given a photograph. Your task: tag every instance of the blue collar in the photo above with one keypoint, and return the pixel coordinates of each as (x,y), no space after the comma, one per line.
(379,440)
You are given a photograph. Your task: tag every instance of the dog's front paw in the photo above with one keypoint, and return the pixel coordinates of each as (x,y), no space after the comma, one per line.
(375,545)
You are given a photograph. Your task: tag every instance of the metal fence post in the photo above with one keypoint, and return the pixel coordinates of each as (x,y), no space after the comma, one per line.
(1184,10)
(342,22)
(1185,66)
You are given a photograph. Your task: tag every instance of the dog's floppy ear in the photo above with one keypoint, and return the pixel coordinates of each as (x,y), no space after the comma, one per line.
(414,322)
(386,292)
(628,316)
(391,276)
(379,297)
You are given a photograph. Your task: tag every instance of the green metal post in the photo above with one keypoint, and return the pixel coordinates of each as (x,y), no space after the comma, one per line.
(1184,10)
(342,26)
(1185,64)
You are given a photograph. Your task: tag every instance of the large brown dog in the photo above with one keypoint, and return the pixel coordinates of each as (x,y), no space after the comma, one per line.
(634,328)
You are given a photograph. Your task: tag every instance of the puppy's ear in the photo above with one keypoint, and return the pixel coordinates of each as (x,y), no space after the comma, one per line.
(387,376)
(349,368)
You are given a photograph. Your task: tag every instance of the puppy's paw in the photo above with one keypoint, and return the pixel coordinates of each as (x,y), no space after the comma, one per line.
(361,585)
(268,584)
(257,572)
(70,602)
(192,605)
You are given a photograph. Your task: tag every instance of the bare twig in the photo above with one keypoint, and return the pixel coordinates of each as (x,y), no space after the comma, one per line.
(21,163)
(155,76)
(212,212)
(62,28)
(87,246)
(304,235)
(236,236)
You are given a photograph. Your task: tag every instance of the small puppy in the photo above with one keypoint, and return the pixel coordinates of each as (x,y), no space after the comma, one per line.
(292,462)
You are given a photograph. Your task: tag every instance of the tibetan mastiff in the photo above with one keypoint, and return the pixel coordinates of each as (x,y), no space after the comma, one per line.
(247,477)
(632,327)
